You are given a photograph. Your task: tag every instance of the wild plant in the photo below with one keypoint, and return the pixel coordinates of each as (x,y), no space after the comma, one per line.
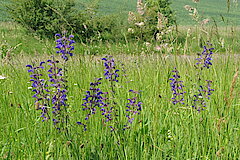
(50,84)
(203,87)
(105,102)
(177,88)
(6,50)
(133,108)
(204,62)
(93,101)
(151,21)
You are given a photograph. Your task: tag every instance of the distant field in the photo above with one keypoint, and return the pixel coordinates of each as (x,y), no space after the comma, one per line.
(214,9)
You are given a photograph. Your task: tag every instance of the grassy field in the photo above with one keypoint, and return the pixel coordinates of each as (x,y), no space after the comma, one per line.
(162,130)
(188,41)
(214,10)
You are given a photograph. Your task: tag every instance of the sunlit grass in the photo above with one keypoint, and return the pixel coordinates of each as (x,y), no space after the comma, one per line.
(162,130)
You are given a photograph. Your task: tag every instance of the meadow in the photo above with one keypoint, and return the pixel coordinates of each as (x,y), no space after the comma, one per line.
(161,131)
(147,84)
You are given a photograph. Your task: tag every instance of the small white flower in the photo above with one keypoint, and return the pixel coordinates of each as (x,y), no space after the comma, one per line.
(140,24)
(2,77)
(188,8)
(147,44)
(195,1)
(130,30)
(29,88)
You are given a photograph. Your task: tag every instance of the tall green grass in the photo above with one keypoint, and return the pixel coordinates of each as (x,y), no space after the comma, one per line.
(162,130)
(185,40)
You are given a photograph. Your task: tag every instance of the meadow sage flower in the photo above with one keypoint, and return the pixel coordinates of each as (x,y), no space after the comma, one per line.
(134,107)
(51,93)
(177,88)
(204,91)
(204,61)
(93,98)
(40,88)
(110,69)
(64,45)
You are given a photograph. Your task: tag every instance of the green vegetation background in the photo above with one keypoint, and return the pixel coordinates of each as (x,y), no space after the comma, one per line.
(214,9)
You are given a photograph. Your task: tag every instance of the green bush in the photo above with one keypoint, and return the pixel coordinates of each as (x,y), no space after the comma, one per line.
(45,17)
(152,21)
(106,28)
(48,17)
(163,7)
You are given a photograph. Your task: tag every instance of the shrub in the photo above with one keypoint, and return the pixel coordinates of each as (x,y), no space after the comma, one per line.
(105,28)
(152,20)
(45,17)
(48,17)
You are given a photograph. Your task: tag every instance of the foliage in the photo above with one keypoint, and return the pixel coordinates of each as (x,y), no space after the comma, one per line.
(48,17)
(6,50)
(163,7)
(45,17)
(152,21)
(103,28)
(161,131)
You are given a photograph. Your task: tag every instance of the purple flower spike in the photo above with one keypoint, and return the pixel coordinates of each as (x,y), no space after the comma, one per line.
(64,45)
(41,93)
(204,91)
(51,93)
(110,69)
(59,97)
(177,88)
(205,58)
(199,100)
(209,89)
(133,108)
(93,99)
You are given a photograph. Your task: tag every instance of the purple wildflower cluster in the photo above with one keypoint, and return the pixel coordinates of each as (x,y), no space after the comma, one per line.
(51,93)
(65,45)
(93,98)
(96,100)
(204,92)
(209,89)
(41,89)
(37,81)
(59,96)
(177,88)
(110,71)
(199,101)
(134,107)
(205,58)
